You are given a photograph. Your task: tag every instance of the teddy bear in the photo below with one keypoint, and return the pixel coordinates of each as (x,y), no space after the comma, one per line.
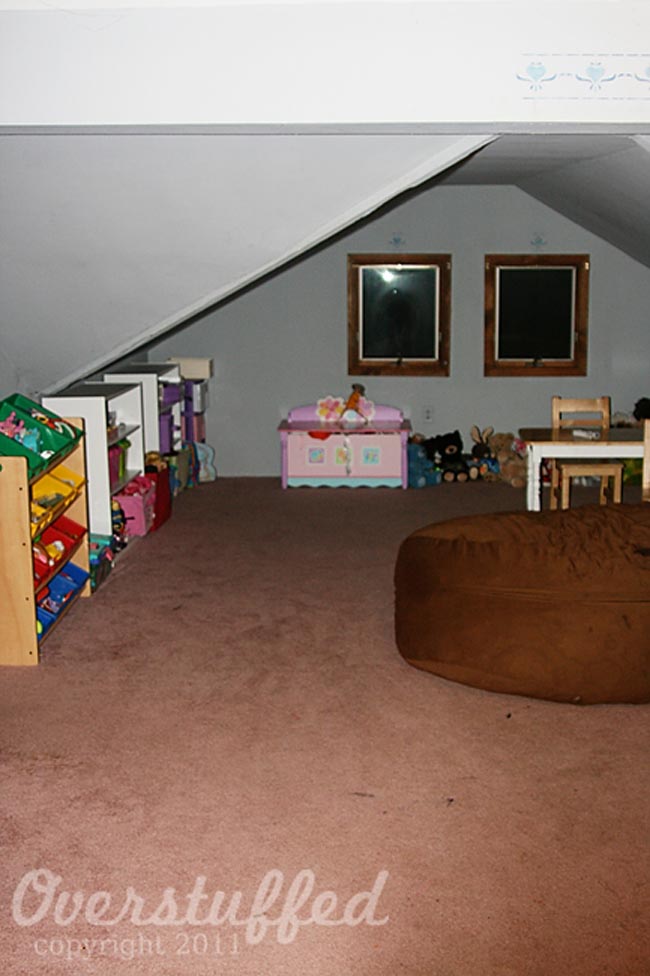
(446,452)
(509,453)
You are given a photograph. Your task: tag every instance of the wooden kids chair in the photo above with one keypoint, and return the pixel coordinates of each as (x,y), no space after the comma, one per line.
(567,413)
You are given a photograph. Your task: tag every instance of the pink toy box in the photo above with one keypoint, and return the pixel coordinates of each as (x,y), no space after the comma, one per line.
(137,501)
(320,447)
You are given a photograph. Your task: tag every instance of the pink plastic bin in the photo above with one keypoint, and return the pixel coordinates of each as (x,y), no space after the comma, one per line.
(137,502)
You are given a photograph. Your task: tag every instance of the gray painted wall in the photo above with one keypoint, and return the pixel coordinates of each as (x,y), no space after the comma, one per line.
(284,342)
(109,240)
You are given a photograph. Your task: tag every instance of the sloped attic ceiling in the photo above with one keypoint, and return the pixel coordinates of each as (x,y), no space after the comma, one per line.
(599,182)
(108,240)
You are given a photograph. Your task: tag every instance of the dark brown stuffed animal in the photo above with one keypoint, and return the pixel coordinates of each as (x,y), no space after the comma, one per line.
(642,409)
(446,452)
(481,447)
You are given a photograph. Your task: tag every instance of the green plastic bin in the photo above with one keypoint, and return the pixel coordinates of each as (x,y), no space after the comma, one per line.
(33,410)
(53,442)
(11,448)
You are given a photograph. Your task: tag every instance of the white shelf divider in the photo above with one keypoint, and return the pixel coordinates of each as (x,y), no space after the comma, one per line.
(151,377)
(93,402)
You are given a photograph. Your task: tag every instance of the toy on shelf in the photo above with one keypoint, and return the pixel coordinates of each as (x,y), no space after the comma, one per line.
(119,537)
(54,603)
(31,439)
(49,554)
(49,501)
(39,432)
(54,423)
(101,557)
(61,589)
(12,427)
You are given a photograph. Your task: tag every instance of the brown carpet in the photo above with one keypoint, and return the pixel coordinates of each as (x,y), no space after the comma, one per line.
(231,703)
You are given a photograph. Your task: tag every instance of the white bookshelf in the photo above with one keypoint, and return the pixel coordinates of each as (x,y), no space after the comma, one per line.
(153,377)
(93,402)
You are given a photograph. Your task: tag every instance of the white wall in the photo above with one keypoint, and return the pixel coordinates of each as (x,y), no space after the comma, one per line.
(323,62)
(284,342)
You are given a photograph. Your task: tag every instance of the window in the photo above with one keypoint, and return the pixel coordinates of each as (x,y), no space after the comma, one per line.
(398,314)
(536,314)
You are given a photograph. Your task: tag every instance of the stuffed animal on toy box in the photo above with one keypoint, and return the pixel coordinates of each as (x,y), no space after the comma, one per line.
(446,452)
(509,453)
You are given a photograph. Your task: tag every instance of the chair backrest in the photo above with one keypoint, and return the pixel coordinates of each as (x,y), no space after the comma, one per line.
(567,412)
(645,477)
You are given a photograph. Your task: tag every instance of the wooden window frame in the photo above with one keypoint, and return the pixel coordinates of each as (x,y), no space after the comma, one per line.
(436,365)
(576,365)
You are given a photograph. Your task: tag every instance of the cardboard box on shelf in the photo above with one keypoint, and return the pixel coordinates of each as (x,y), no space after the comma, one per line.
(194,368)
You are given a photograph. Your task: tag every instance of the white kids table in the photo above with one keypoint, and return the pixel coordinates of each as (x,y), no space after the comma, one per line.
(544,442)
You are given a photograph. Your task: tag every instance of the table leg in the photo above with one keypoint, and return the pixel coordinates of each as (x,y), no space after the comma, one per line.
(534,481)
(284,461)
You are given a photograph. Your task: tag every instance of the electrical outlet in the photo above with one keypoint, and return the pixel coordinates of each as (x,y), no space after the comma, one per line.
(427,415)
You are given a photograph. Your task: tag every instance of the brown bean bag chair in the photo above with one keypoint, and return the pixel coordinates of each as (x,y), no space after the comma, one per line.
(548,604)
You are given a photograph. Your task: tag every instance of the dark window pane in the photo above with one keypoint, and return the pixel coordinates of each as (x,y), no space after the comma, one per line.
(535,313)
(399,308)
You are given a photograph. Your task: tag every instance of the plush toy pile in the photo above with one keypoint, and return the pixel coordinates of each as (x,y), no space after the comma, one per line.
(510,454)
(494,457)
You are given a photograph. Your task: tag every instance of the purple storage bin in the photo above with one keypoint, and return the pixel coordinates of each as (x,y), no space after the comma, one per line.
(166,428)
(170,393)
(114,459)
